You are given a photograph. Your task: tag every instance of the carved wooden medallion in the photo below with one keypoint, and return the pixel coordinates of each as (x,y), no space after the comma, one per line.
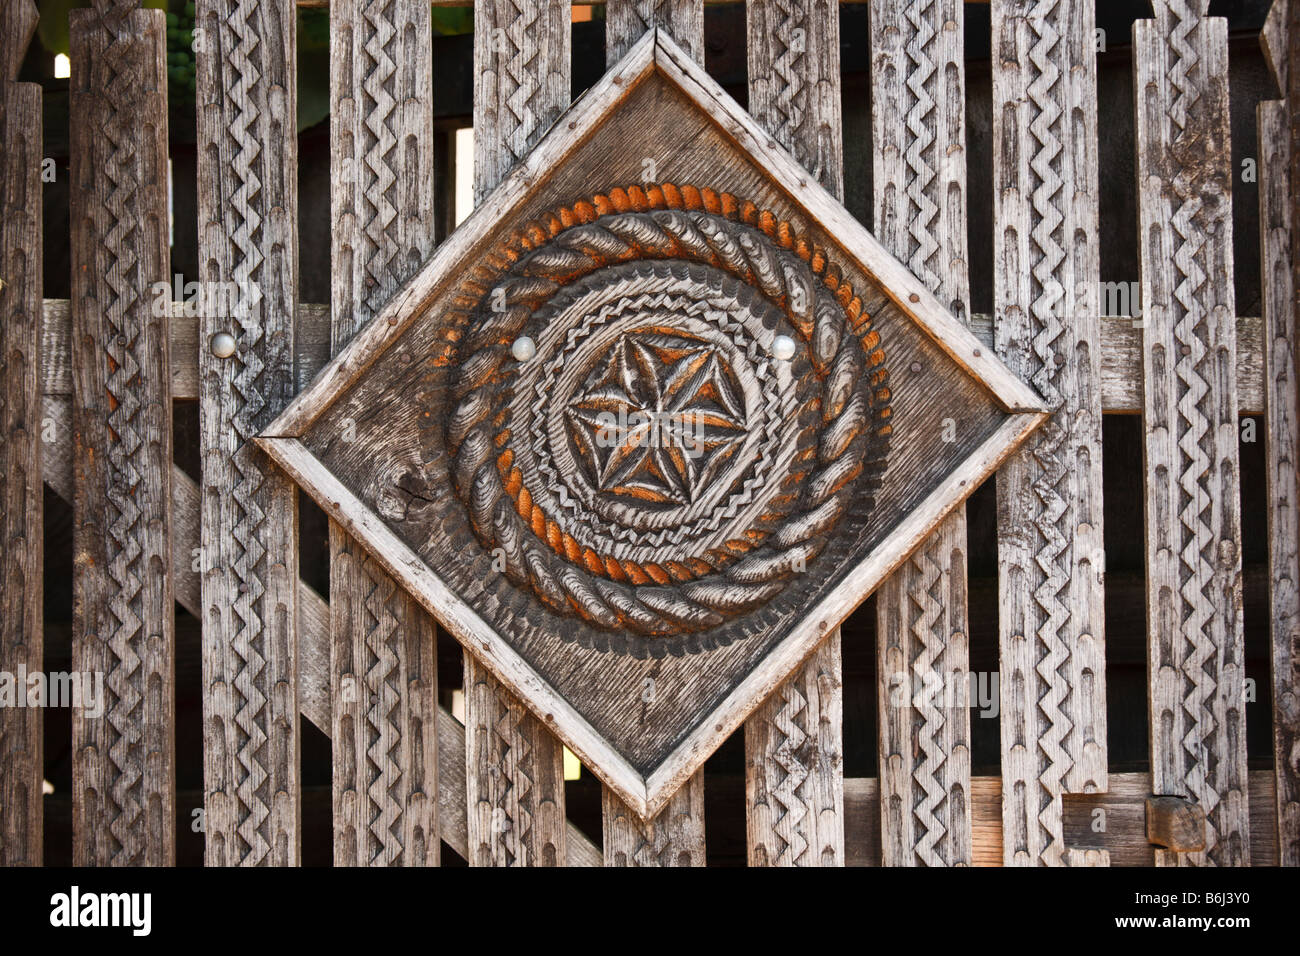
(641,441)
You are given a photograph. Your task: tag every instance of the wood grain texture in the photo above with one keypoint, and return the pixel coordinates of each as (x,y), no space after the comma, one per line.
(247,169)
(383,663)
(22,765)
(919,176)
(794,746)
(626,21)
(17,26)
(1283,506)
(124,761)
(675,837)
(1120,345)
(1192,476)
(1051,552)
(514,765)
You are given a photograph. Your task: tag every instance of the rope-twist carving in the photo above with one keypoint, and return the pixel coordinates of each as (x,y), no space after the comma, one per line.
(849,429)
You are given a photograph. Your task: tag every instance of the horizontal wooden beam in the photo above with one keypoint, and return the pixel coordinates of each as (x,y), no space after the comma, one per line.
(1121,355)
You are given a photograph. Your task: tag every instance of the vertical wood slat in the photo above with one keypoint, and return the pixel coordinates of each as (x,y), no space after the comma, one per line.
(384,682)
(626,21)
(248,262)
(1286,657)
(123,761)
(1051,556)
(794,744)
(919,176)
(21,531)
(1196,660)
(675,837)
(514,775)
(1280,395)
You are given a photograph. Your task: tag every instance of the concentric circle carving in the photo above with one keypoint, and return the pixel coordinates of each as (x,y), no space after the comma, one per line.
(651,467)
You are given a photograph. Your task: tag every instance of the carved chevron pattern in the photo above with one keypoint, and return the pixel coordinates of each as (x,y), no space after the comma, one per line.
(927,618)
(786,119)
(126,452)
(920,120)
(511,817)
(382,716)
(1196,556)
(248,568)
(791,722)
(1052,518)
(379,117)
(519,80)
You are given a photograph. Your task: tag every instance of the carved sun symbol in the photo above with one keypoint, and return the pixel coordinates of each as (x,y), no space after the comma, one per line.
(657,419)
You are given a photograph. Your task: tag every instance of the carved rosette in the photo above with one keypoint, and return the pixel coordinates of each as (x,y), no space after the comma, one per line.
(627,440)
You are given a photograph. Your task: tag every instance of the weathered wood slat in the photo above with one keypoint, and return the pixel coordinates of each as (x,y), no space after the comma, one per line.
(1283,451)
(514,765)
(124,760)
(919,176)
(1120,345)
(248,246)
(1192,476)
(384,664)
(1051,553)
(21,509)
(17,26)
(794,742)
(675,837)
(627,20)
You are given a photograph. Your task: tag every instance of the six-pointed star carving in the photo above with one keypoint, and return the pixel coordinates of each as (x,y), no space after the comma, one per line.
(660,419)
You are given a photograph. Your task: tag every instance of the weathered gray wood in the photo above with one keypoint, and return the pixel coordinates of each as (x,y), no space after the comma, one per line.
(1283,453)
(1120,345)
(627,20)
(794,742)
(515,766)
(383,667)
(1051,552)
(123,761)
(248,237)
(21,510)
(673,838)
(1193,532)
(919,176)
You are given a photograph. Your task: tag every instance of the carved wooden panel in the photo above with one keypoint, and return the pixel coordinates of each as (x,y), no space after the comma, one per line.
(1196,662)
(248,243)
(124,760)
(636,442)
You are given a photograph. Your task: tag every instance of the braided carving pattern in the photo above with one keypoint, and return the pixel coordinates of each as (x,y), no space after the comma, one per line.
(667,223)
(1047,448)
(126,454)
(786,121)
(1196,557)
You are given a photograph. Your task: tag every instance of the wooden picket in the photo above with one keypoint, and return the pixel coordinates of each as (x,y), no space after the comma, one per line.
(1051,554)
(21,505)
(919,142)
(123,617)
(105,366)
(248,239)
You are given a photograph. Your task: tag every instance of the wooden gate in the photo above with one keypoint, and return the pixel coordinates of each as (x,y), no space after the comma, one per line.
(89,384)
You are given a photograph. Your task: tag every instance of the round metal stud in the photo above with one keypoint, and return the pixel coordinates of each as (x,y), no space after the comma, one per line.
(783,348)
(523,348)
(223,345)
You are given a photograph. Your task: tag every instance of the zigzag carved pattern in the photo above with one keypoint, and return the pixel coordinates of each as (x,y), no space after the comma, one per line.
(925,611)
(379,117)
(786,120)
(1197,560)
(791,721)
(922,209)
(248,567)
(382,685)
(1052,520)
(121,73)
(518,80)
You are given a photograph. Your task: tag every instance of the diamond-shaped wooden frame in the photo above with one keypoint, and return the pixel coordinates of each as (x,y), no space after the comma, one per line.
(646,794)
